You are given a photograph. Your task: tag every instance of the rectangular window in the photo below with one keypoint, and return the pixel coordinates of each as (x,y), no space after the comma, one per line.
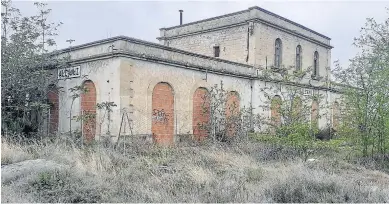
(216,51)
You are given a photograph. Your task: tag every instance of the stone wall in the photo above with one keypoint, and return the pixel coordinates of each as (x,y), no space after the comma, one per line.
(105,76)
(230,32)
(232,43)
(128,75)
(184,83)
(253,14)
(265,49)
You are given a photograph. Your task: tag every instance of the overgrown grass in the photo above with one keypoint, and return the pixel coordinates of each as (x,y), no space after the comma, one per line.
(239,172)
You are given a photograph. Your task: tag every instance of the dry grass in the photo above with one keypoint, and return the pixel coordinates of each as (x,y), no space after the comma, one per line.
(242,172)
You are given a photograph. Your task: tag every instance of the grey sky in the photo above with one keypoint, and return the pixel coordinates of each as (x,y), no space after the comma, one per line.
(86,21)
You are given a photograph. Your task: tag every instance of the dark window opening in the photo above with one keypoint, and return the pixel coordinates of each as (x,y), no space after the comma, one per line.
(316,64)
(278,53)
(298,58)
(216,51)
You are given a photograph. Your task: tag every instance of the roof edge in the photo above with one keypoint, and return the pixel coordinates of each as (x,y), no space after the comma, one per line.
(247,10)
(289,21)
(207,19)
(147,43)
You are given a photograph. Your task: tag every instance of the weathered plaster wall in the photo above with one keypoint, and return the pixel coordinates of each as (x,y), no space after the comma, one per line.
(184,83)
(128,75)
(106,77)
(273,89)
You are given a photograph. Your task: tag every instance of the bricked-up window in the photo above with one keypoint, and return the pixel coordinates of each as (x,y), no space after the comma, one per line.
(315,63)
(278,53)
(298,58)
(216,51)
(275,108)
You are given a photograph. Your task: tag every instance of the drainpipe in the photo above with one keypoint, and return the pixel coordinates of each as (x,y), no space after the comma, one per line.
(251,104)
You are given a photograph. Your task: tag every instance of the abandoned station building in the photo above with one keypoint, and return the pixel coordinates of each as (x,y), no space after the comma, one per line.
(158,88)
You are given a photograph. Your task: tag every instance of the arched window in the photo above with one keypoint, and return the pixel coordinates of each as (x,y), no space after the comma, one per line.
(278,53)
(298,58)
(316,63)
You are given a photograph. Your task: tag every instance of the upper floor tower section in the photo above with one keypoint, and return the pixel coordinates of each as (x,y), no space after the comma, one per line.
(256,37)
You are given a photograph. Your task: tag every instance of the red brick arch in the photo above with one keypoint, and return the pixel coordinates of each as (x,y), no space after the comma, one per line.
(275,110)
(162,126)
(232,112)
(335,115)
(296,108)
(88,106)
(201,106)
(53,98)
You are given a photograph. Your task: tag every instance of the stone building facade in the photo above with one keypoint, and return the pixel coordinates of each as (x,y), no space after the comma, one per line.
(157,88)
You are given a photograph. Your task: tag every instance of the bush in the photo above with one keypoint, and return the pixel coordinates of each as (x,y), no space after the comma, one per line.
(326,134)
(220,172)
(303,187)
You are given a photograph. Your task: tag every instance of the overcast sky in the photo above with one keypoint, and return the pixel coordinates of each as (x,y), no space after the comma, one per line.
(86,21)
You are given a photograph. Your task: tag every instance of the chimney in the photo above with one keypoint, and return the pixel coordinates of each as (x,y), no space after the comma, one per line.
(180,16)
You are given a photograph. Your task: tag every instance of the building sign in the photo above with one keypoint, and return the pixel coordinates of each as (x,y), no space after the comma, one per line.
(71,72)
(307,92)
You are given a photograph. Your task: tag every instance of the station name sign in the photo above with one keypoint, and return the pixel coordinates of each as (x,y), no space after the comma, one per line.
(70,72)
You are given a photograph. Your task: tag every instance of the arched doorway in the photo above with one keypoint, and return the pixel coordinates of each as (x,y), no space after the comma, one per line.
(53,98)
(88,110)
(296,109)
(335,115)
(315,113)
(162,126)
(201,113)
(232,113)
(275,108)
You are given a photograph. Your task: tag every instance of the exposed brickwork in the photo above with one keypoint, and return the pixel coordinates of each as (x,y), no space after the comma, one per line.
(296,111)
(52,95)
(88,105)
(335,115)
(275,110)
(232,112)
(200,113)
(163,114)
(315,113)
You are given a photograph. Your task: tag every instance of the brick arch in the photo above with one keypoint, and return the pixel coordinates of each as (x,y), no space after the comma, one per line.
(201,105)
(275,106)
(232,112)
(296,108)
(88,106)
(162,126)
(335,115)
(315,113)
(53,98)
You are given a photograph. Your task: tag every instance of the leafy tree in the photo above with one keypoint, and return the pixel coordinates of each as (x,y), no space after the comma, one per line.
(25,64)
(365,110)
(227,121)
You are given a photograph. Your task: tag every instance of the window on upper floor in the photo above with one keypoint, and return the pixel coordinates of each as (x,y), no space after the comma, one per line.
(316,64)
(216,51)
(278,53)
(298,58)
